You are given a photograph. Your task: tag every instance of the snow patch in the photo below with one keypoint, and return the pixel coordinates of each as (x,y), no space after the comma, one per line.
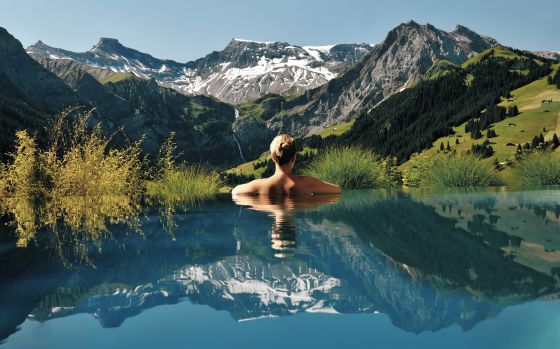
(254,41)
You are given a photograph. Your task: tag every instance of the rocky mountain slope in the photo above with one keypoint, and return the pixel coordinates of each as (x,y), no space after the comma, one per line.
(32,92)
(407,53)
(41,86)
(244,70)
(549,55)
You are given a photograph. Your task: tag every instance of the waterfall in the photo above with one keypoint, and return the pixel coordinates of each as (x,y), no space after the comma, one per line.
(235,138)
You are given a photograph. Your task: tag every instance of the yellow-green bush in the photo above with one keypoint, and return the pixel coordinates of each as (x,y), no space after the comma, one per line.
(24,176)
(77,161)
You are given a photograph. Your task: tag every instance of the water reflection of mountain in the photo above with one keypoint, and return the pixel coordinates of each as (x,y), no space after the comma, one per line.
(397,255)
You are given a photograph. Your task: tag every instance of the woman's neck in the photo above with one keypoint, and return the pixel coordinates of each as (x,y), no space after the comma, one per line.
(282,171)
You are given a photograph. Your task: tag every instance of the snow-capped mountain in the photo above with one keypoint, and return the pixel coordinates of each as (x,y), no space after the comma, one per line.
(406,54)
(244,70)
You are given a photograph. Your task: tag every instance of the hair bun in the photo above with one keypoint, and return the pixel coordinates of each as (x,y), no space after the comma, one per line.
(282,149)
(285,145)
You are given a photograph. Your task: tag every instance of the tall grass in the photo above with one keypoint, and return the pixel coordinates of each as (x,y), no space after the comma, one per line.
(181,183)
(538,168)
(460,171)
(184,184)
(348,167)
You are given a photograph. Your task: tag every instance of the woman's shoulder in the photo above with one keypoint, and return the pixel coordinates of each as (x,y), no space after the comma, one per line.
(306,179)
(249,188)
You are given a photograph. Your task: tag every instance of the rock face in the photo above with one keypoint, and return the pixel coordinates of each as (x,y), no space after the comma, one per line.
(244,70)
(202,125)
(42,87)
(407,53)
(33,91)
(555,56)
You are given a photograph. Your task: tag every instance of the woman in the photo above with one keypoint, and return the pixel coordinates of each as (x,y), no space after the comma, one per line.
(282,182)
(281,209)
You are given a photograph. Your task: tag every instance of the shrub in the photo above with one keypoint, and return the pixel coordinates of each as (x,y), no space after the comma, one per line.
(3,181)
(459,171)
(77,161)
(538,168)
(417,170)
(184,184)
(24,177)
(348,167)
(87,166)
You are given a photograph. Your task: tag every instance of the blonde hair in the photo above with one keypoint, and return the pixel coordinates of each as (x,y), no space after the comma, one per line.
(282,149)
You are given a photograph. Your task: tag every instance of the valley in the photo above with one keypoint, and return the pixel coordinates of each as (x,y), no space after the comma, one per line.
(395,98)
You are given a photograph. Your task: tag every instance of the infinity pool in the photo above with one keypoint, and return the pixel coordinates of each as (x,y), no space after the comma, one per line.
(363,270)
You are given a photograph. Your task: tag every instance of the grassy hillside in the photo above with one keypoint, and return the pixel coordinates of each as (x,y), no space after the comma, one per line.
(496,52)
(248,168)
(437,109)
(535,118)
(116,77)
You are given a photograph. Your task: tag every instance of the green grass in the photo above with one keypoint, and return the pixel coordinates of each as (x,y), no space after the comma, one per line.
(336,130)
(184,184)
(538,168)
(248,169)
(497,51)
(348,167)
(460,171)
(442,68)
(116,77)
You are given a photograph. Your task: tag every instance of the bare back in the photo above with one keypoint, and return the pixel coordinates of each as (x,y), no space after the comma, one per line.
(286,184)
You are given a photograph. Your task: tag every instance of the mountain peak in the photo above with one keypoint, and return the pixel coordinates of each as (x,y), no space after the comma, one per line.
(474,36)
(246,42)
(461,29)
(107,44)
(410,23)
(39,43)
(8,41)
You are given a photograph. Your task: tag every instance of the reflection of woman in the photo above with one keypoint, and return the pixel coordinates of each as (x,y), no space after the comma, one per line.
(283,182)
(281,208)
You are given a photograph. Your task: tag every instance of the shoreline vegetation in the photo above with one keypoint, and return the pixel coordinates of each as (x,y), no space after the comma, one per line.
(77,159)
(355,167)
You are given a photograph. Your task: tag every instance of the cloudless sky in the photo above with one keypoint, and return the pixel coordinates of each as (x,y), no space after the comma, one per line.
(189,29)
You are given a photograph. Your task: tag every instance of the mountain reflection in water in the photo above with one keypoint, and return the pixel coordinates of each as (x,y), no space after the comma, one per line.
(427,261)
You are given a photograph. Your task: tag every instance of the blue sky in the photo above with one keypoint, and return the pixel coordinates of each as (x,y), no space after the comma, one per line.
(189,29)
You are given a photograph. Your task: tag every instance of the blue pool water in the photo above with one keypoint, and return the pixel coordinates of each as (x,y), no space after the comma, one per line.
(366,269)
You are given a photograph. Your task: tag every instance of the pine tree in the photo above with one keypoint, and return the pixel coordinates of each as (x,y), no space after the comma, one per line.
(555,141)
(512,111)
(456,140)
(441,147)
(448,148)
